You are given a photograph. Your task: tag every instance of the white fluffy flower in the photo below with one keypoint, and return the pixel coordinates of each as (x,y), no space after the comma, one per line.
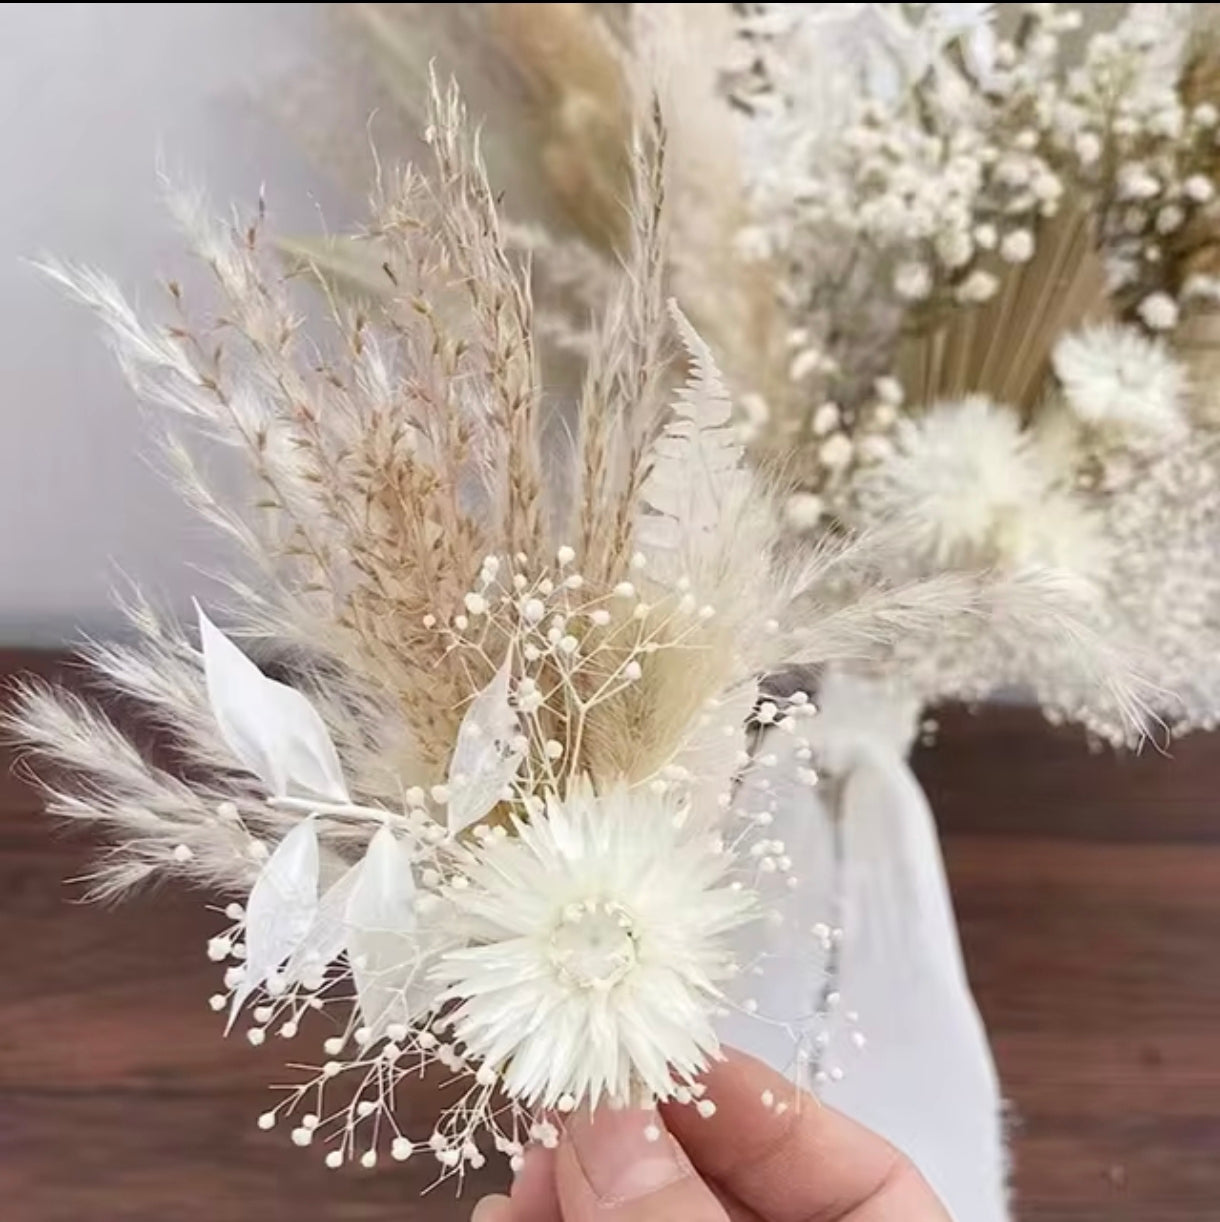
(958,475)
(599,945)
(1122,384)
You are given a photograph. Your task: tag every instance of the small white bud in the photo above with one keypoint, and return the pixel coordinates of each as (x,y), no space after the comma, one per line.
(1199,188)
(1169,219)
(401,1149)
(565,555)
(1158,311)
(476,604)
(978,286)
(836,451)
(826,419)
(803,510)
(912,281)
(889,390)
(1017,246)
(803,364)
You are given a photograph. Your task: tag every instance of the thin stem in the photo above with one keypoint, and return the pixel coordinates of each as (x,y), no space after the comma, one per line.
(341,810)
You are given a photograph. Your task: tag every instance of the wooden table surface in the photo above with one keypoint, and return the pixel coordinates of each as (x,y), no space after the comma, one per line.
(1088,890)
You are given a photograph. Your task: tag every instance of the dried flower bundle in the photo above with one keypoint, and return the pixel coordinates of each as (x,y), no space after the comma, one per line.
(958,264)
(481,810)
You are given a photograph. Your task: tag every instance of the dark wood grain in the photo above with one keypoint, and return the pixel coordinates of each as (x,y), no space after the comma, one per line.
(1087,887)
(1088,890)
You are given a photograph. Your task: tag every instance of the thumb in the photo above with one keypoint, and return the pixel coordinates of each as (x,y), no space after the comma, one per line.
(624,1165)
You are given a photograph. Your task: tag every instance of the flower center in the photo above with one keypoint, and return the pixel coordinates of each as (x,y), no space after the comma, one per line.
(593,945)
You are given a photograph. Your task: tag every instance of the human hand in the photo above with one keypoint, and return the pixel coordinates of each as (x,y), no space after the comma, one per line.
(749,1162)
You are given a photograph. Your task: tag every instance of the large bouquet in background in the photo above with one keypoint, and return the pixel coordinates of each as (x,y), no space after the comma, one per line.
(958,263)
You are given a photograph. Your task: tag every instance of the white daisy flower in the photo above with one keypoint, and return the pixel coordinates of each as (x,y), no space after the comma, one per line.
(1123,385)
(599,947)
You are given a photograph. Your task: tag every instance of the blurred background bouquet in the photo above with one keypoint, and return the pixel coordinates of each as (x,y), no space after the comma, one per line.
(957,260)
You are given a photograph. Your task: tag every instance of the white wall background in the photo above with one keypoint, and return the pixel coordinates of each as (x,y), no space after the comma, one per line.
(89,95)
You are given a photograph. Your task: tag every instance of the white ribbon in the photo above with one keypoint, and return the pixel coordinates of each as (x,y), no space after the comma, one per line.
(925,1078)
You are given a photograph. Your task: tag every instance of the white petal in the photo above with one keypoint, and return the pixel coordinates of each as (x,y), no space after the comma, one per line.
(327,936)
(383,946)
(483,760)
(281,908)
(270,727)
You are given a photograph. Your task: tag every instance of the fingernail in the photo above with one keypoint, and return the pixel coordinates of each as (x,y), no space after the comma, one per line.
(493,1208)
(625,1154)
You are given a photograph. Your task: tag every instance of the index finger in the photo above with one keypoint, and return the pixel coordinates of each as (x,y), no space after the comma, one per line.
(788,1157)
